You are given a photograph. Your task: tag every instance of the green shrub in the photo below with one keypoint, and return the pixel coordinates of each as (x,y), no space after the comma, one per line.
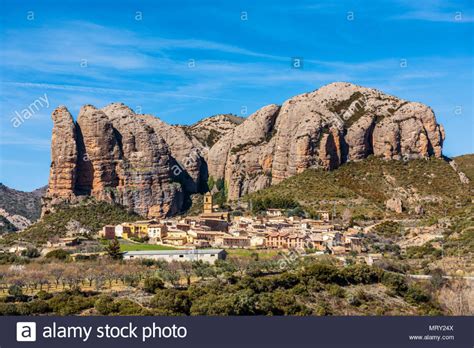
(171,302)
(416,295)
(106,305)
(30,253)
(395,282)
(152,284)
(59,254)
(336,291)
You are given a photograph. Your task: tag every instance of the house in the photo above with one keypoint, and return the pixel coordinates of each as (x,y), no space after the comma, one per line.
(205,255)
(122,229)
(232,242)
(274,212)
(354,244)
(372,258)
(157,231)
(285,240)
(317,242)
(323,215)
(63,242)
(338,250)
(107,232)
(140,228)
(257,241)
(208,235)
(175,237)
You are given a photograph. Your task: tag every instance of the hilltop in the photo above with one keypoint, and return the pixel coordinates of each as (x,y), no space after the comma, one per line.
(428,186)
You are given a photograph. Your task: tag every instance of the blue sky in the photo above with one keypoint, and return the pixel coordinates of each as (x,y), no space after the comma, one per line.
(185,60)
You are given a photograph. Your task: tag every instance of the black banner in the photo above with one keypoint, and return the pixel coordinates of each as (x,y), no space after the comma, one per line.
(291,332)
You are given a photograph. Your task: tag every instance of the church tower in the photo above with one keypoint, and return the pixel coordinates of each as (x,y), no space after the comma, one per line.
(208,203)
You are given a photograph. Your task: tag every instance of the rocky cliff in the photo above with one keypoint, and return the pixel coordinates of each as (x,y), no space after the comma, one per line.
(335,124)
(150,166)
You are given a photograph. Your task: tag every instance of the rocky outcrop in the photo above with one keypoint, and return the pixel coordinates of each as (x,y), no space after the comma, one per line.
(188,164)
(394,204)
(62,175)
(209,130)
(337,123)
(19,222)
(119,159)
(150,166)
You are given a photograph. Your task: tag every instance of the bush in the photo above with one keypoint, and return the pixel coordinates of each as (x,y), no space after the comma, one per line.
(388,229)
(43,295)
(152,284)
(395,282)
(70,302)
(15,291)
(426,250)
(416,295)
(128,307)
(38,307)
(30,253)
(324,273)
(336,291)
(9,258)
(361,274)
(171,302)
(59,254)
(105,305)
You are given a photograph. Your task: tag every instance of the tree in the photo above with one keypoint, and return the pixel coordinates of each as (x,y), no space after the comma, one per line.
(437,278)
(152,284)
(30,253)
(188,271)
(113,249)
(59,254)
(57,271)
(15,290)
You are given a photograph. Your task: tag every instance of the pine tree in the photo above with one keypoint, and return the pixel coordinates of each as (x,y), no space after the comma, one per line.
(113,249)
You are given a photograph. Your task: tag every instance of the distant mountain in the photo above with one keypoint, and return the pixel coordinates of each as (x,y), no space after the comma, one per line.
(18,209)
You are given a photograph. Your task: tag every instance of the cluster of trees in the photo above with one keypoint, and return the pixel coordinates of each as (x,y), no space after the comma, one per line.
(260,204)
(237,286)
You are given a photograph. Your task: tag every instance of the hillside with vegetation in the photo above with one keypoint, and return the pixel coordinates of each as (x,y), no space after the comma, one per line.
(90,215)
(364,187)
(466,164)
(232,287)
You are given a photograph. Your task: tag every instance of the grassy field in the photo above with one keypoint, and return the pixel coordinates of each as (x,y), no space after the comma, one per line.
(139,246)
(246,253)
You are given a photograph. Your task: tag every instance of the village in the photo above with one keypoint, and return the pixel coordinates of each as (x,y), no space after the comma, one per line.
(219,230)
(214,234)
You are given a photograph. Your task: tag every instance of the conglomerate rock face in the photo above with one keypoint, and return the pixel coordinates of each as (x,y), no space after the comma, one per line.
(337,123)
(62,174)
(150,166)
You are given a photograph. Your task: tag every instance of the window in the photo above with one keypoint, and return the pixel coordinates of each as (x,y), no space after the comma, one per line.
(212,255)
(181,255)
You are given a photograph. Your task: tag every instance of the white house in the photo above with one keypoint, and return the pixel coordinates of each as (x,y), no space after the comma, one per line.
(206,255)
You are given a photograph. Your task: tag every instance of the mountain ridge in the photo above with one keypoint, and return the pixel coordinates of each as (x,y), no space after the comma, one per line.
(152,167)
